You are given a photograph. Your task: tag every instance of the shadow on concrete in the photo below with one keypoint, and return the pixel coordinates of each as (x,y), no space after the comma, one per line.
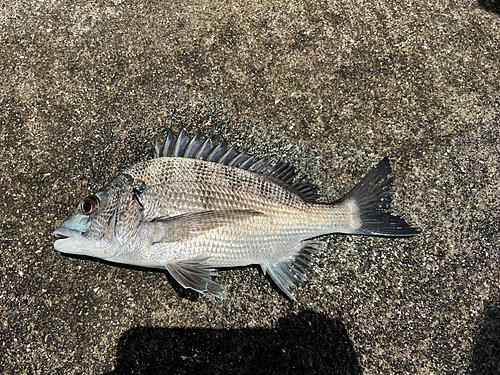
(490,5)
(306,343)
(486,354)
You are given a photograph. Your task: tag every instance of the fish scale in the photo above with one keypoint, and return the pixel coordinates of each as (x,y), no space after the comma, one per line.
(203,189)
(197,207)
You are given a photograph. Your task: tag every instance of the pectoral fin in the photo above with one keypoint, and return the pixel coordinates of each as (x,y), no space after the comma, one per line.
(195,274)
(188,226)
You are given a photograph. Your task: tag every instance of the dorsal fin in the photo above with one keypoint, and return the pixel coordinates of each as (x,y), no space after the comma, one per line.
(203,149)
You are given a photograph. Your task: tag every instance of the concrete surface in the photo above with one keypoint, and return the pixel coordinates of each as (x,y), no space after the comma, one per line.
(332,87)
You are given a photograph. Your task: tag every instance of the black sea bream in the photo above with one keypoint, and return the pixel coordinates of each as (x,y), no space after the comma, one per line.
(197,207)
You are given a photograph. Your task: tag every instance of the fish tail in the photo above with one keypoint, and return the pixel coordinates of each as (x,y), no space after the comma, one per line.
(372,198)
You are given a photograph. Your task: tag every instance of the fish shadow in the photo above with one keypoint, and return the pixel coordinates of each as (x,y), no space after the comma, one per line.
(306,343)
(490,5)
(486,353)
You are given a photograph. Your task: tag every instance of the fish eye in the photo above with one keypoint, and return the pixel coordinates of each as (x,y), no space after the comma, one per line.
(90,204)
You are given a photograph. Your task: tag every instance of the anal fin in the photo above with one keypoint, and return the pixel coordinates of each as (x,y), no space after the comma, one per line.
(195,274)
(289,271)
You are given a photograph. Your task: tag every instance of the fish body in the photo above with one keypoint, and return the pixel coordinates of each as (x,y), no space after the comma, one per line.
(197,207)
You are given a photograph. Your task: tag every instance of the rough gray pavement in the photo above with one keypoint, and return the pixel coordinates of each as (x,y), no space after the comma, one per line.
(332,87)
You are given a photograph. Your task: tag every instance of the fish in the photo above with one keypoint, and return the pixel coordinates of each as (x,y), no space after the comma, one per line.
(197,207)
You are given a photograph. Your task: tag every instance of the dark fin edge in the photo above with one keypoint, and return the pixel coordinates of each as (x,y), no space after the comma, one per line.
(203,149)
(372,196)
(286,273)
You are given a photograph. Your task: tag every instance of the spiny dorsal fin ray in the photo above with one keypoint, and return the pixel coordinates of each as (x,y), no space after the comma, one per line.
(198,148)
(193,146)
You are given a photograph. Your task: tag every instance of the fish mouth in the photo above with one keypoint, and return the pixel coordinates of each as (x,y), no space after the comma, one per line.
(65,235)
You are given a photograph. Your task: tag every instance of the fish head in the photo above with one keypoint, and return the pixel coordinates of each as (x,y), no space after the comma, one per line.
(94,228)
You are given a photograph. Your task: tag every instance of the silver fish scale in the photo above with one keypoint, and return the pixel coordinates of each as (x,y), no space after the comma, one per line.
(190,185)
(176,186)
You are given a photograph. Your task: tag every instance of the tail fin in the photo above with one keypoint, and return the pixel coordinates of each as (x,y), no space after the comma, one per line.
(373,198)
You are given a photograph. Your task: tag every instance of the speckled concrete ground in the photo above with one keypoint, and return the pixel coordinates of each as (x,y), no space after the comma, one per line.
(85,87)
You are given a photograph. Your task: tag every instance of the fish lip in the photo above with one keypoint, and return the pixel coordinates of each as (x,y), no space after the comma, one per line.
(65,233)
(64,236)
